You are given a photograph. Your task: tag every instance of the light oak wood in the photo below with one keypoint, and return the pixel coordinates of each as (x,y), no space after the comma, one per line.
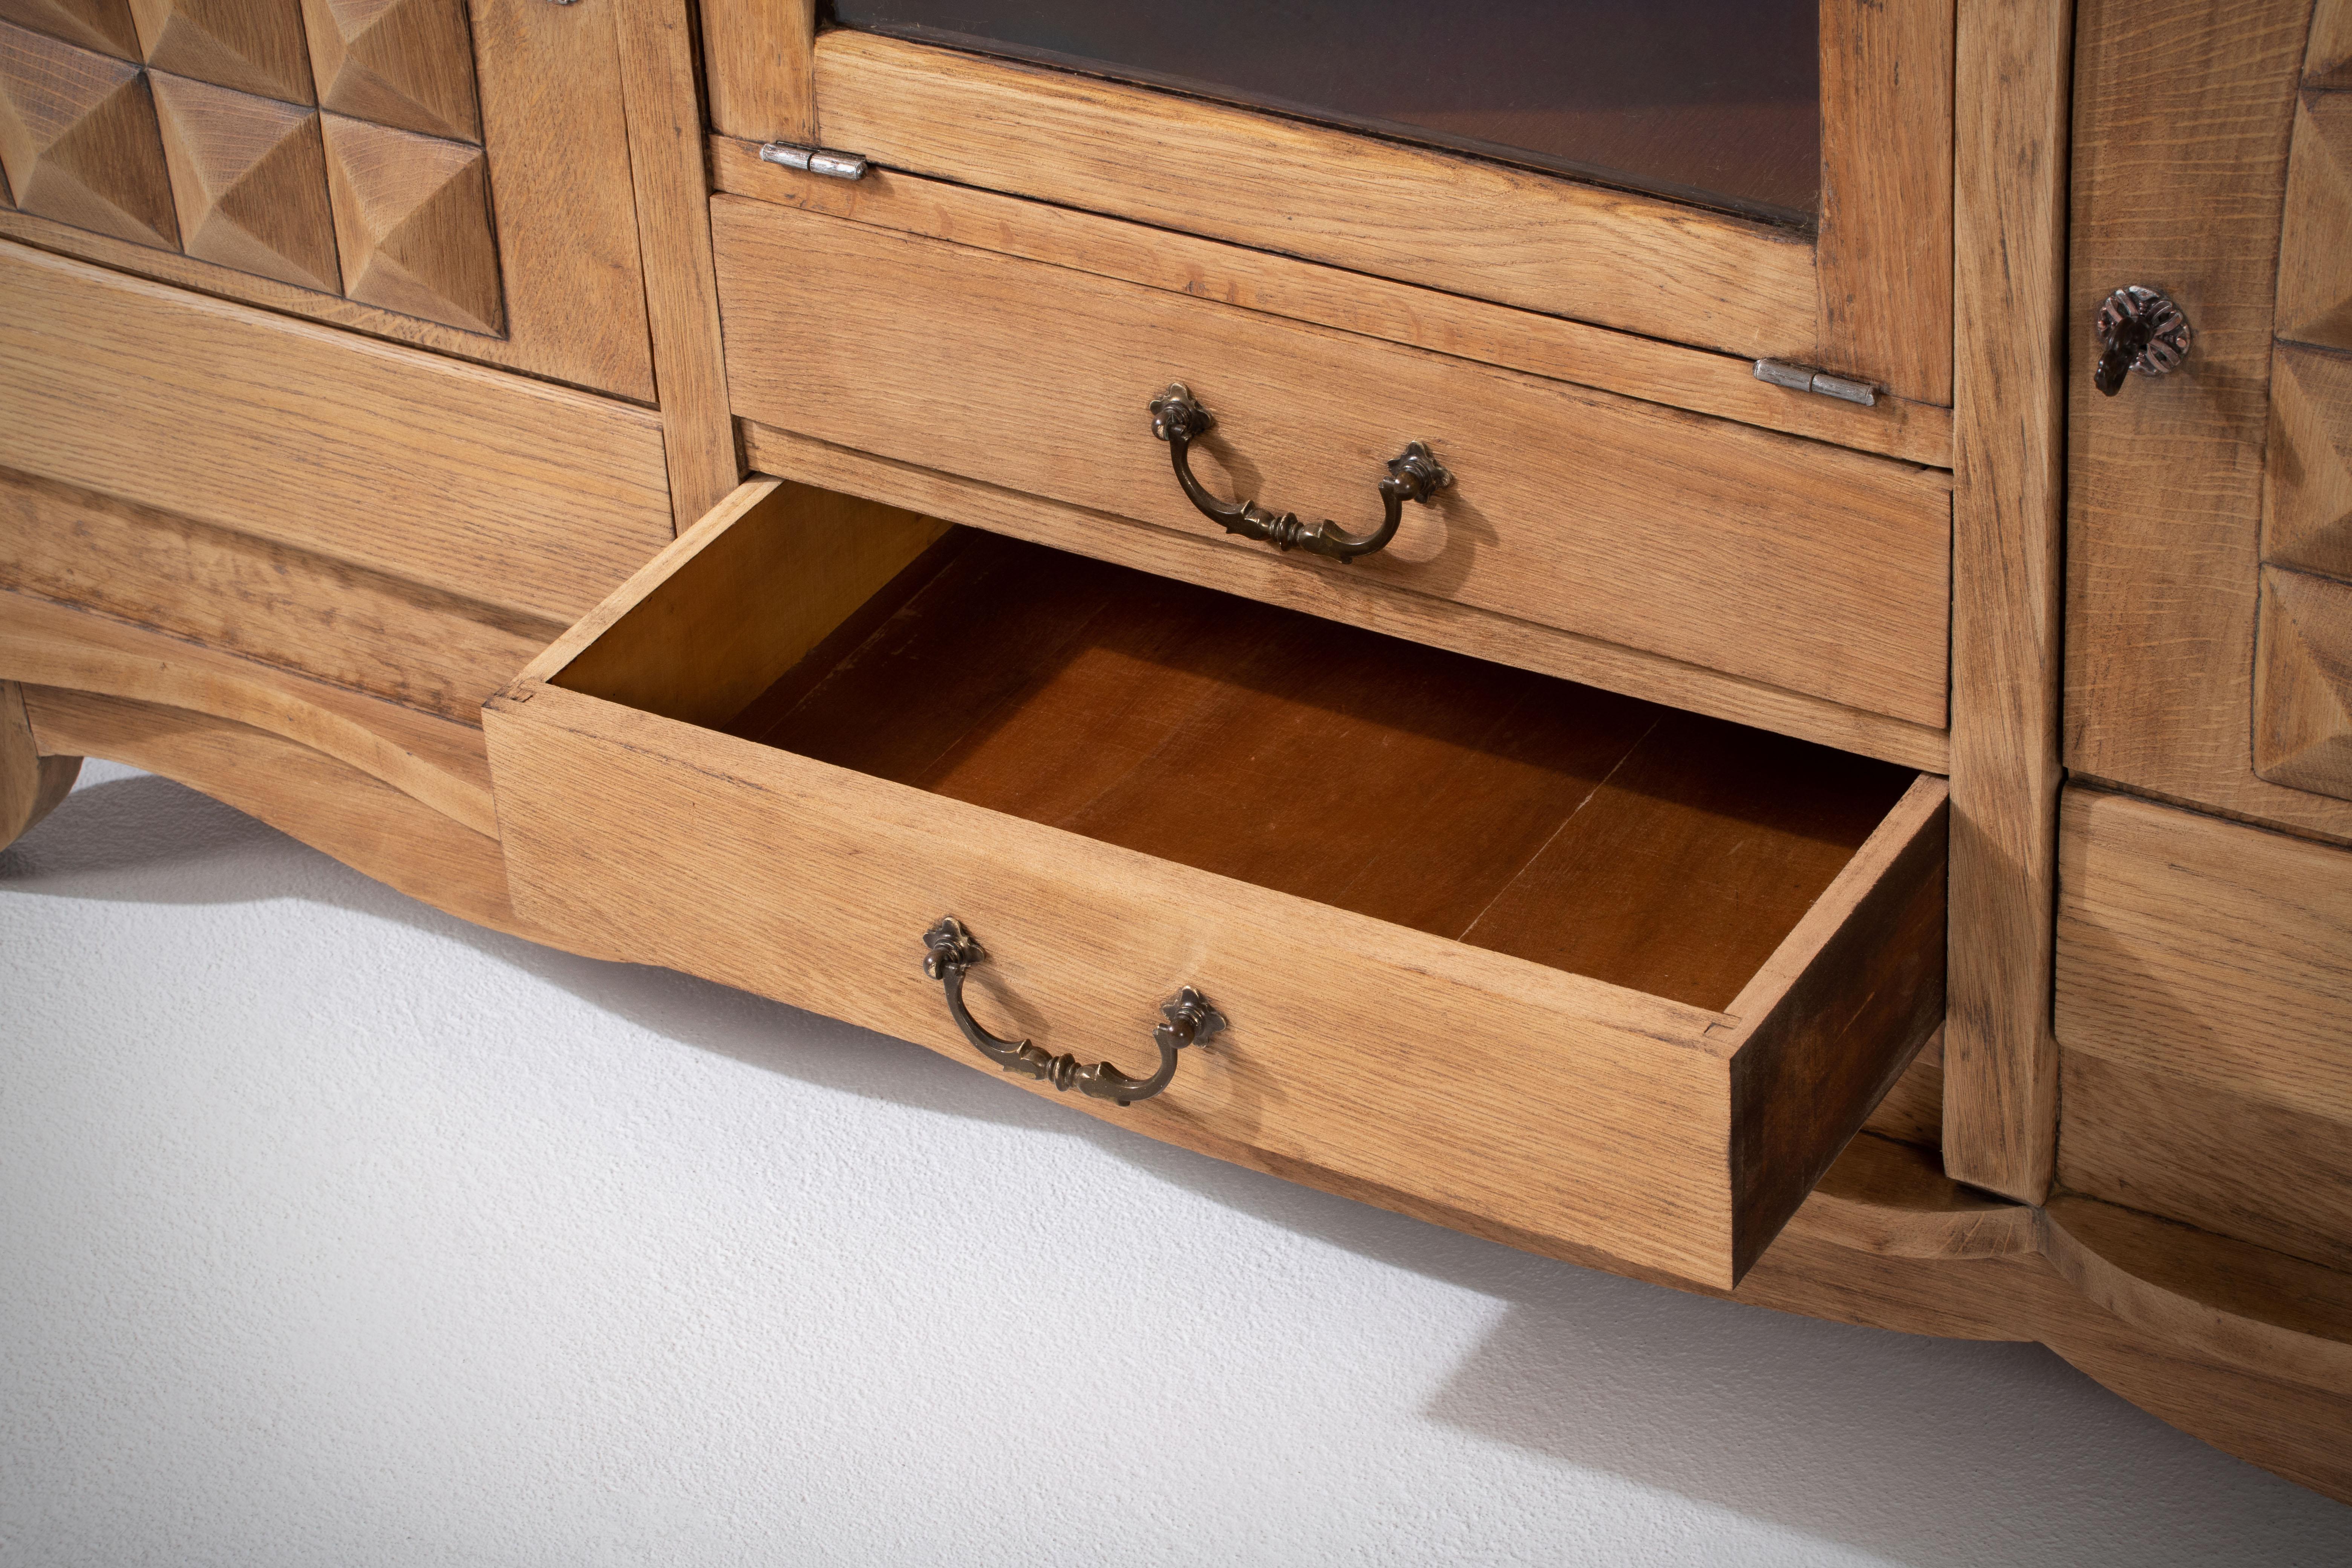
(724,634)
(433,761)
(2303,683)
(666,161)
(1704,383)
(2239,1165)
(1913,1110)
(2314,283)
(1513,236)
(2000,1065)
(408,63)
(252,45)
(758,59)
(413,223)
(527,496)
(1088,938)
(1883,260)
(239,594)
(2179,171)
(2307,470)
(31,785)
(249,182)
(2328,59)
(1362,602)
(567,234)
(2195,1290)
(2204,967)
(309,795)
(1778,561)
(101,24)
(78,142)
(2206,950)
(1890,1199)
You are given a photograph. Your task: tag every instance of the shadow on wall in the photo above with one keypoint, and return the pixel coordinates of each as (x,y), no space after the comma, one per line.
(1923,1451)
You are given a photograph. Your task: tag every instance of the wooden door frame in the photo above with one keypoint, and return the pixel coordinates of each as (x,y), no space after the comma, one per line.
(1869,297)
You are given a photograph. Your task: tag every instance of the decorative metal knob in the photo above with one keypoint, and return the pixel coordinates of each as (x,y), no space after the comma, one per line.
(1414,474)
(2140,331)
(949,950)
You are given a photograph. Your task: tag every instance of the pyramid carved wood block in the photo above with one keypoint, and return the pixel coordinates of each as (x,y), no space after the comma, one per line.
(78,140)
(101,24)
(2314,288)
(411,222)
(254,46)
(398,63)
(2303,683)
(249,177)
(2307,509)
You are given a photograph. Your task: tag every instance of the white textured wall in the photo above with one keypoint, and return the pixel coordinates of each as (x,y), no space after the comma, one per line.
(338,1233)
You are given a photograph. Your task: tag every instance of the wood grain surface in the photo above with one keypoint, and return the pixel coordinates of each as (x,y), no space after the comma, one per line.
(1275,579)
(235,594)
(566,230)
(1780,560)
(758,60)
(1700,380)
(31,785)
(666,161)
(434,761)
(2000,1065)
(2203,972)
(2164,480)
(1514,235)
(504,491)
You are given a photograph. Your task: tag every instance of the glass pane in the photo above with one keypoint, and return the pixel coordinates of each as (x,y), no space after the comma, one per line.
(1715,101)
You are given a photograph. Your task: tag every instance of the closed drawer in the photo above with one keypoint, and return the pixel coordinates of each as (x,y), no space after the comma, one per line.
(2204,1021)
(1504,949)
(1791,564)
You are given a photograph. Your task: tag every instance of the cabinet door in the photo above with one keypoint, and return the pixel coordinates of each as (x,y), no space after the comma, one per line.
(1772,179)
(2208,630)
(448,172)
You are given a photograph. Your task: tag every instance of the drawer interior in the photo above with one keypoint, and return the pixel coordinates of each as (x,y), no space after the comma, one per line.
(1563,824)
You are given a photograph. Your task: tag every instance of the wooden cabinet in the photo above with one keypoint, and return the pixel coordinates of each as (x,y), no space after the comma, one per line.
(1653,855)
(452,173)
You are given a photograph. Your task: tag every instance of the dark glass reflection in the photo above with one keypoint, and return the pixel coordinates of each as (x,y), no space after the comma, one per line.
(1715,101)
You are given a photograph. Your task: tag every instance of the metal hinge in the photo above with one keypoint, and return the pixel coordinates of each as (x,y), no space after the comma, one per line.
(815,160)
(1805,378)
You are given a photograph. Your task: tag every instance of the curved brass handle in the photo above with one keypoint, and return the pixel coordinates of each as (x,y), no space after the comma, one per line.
(950,950)
(2138,330)
(1414,474)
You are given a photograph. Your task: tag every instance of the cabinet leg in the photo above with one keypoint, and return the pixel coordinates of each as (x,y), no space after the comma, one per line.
(30,783)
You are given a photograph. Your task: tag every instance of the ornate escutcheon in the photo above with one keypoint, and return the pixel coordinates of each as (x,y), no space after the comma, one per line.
(2140,330)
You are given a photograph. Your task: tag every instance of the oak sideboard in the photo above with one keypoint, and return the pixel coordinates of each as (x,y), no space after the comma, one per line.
(1712,640)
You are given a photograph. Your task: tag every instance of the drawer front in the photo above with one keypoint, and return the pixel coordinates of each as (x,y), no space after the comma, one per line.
(1671,1137)
(2204,1020)
(1788,562)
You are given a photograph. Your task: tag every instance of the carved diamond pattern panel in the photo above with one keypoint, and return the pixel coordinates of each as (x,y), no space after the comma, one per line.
(410,219)
(77,139)
(334,145)
(2307,506)
(249,177)
(396,62)
(2303,683)
(101,24)
(253,46)
(2314,291)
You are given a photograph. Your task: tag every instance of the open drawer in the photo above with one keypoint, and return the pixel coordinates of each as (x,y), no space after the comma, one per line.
(1527,956)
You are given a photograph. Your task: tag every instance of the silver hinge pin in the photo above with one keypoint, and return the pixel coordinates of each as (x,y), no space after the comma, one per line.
(815,160)
(1805,378)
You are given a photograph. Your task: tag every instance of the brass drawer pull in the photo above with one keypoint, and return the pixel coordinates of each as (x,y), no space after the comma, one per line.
(950,950)
(1413,475)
